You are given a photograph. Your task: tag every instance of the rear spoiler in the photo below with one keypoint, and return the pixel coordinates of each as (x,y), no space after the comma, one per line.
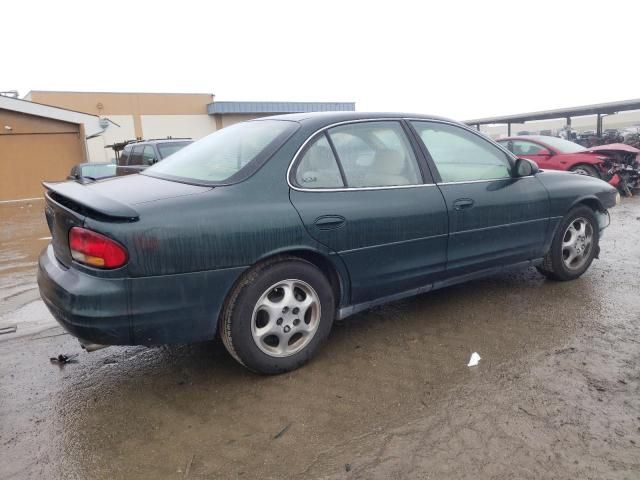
(80,198)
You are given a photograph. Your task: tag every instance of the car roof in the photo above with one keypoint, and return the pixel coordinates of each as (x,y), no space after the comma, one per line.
(156,141)
(85,164)
(318,120)
(166,140)
(321,119)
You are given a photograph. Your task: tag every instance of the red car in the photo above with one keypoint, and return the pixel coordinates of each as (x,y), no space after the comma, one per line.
(557,154)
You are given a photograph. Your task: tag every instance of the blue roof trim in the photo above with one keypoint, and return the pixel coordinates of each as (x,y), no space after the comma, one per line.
(221,108)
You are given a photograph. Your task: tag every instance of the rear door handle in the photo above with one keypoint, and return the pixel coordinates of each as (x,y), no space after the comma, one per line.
(330,222)
(463,203)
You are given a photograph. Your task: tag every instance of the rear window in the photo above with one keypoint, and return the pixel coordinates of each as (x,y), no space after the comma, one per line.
(98,171)
(227,155)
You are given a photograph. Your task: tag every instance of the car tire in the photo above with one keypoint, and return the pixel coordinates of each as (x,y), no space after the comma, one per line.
(574,246)
(278,315)
(588,170)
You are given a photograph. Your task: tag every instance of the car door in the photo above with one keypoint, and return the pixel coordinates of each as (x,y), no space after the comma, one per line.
(494,218)
(360,191)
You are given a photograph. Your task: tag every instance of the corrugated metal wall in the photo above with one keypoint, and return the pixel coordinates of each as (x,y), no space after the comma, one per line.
(279,107)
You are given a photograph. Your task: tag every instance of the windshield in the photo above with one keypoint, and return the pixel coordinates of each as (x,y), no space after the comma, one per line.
(225,153)
(98,171)
(169,148)
(562,145)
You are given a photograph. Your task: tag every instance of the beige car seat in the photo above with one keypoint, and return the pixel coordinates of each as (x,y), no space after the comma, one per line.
(387,169)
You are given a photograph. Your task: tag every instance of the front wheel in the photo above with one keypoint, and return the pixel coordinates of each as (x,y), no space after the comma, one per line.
(278,315)
(587,170)
(574,246)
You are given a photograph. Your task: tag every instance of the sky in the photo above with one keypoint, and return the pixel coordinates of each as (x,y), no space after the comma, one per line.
(459,59)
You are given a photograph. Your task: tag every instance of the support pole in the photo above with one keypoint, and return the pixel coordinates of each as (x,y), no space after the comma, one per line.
(508,129)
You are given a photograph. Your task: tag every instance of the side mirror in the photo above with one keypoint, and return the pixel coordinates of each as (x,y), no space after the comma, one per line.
(545,152)
(525,167)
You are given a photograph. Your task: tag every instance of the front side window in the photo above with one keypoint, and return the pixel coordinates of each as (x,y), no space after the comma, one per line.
(521,147)
(461,155)
(375,154)
(318,167)
(226,155)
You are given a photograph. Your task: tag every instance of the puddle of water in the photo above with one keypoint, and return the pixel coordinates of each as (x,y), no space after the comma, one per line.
(22,238)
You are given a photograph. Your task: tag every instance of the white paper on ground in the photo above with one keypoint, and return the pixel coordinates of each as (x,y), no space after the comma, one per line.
(473,361)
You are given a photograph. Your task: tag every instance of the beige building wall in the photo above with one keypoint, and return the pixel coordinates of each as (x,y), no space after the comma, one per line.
(141,115)
(192,126)
(96,151)
(229,119)
(120,129)
(110,104)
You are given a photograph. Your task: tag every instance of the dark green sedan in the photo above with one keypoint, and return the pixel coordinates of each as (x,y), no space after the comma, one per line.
(267,231)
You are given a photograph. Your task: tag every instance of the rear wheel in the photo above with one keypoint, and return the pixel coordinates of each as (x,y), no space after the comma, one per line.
(278,315)
(586,170)
(574,246)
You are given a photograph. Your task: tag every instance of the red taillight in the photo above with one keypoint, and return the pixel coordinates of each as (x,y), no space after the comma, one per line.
(95,250)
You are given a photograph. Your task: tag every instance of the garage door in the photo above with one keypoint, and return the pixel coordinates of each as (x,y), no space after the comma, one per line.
(26,160)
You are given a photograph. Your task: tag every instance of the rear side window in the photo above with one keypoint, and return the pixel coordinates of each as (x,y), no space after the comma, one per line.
(318,167)
(375,154)
(461,155)
(227,155)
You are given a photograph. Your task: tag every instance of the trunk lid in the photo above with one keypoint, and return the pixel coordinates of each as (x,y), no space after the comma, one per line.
(68,204)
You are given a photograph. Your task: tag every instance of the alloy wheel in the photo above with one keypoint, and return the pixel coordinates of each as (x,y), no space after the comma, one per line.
(285,318)
(577,243)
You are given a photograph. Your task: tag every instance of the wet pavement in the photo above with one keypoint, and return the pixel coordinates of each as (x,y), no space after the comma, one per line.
(556,394)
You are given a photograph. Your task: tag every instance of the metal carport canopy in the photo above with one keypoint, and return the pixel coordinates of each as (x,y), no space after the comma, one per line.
(595,109)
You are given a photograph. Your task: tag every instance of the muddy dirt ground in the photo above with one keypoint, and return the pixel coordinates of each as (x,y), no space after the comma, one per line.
(556,394)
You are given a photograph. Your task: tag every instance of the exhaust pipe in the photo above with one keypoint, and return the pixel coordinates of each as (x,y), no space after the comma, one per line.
(91,347)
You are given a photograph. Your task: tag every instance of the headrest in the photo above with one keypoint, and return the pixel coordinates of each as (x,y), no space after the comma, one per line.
(389,161)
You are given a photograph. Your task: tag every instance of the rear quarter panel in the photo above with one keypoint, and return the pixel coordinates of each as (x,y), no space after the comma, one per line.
(223,227)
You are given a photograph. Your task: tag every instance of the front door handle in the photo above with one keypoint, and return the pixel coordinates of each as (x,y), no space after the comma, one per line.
(463,203)
(330,222)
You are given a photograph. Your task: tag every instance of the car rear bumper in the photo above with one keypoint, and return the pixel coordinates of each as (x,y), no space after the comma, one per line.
(158,310)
